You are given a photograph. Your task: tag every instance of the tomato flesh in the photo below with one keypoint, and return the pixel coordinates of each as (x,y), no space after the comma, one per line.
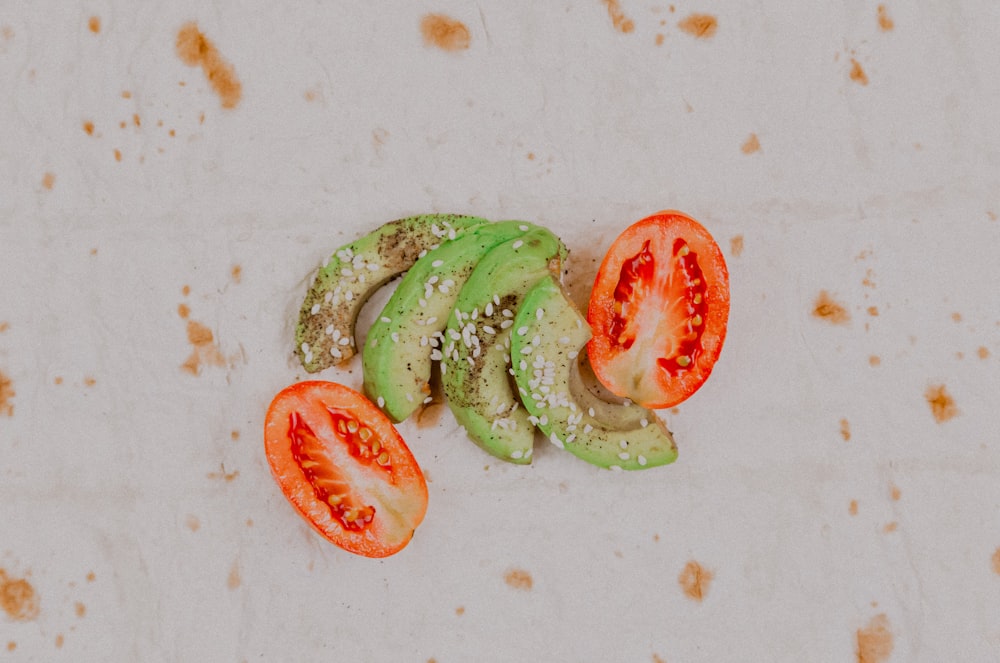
(344,467)
(659,311)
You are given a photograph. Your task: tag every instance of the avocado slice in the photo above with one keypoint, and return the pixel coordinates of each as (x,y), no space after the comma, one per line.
(402,343)
(549,335)
(476,353)
(325,333)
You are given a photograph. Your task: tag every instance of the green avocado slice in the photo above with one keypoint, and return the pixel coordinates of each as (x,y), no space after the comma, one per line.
(475,361)
(406,338)
(549,335)
(325,333)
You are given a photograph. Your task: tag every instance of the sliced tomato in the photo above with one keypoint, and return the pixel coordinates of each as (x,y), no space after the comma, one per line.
(659,310)
(344,467)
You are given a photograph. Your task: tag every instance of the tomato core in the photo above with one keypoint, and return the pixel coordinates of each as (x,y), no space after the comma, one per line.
(684,289)
(329,484)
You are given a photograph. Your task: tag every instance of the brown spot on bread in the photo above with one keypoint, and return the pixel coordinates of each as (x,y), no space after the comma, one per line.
(700,26)
(694,580)
(445,32)
(874,360)
(205,351)
(94,23)
(857,73)
(852,508)
(621,22)
(236,273)
(895,493)
(736,245)
(941,403)
(845,430)
(7,393)
(18,598)
(518,579)
(88,127)
(118,154)
(80,609)
(996,561)
(826,308)
(750,145)
(48,181)
(983,352)
(659,39)
(195,49)
(885,23)
(890,527)
(233,580)
(874,641)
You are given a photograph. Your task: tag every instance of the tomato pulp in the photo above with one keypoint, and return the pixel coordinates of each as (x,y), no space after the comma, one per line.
(659,310)
(344,467)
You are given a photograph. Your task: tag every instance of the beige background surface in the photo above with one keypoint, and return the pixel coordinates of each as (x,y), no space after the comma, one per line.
(827,147)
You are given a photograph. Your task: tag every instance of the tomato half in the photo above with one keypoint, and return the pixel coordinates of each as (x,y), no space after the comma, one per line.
(659,310)
(344,467)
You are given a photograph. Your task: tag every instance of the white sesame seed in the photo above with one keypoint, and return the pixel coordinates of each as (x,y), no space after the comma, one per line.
(564,340)
(527,454)
(623,444)
(381,401)
(329,329)
(431,320)
(422,302)
(328,296)
(507,313)
(527,350)
(435,355)
(521,331)
(488,310)
(422,254)
(590,411)
(554,439)
(572,354)
(385,319)
(489,330)
(523,228)
(518,244)
(308,357)
(347,272)
(335,334)
(428,400)
(335,351)
(423,341)
(506,324)
(432,280)
(539,313)
(395,337)
(409,397)
(344,340)
(643,422)
(305,348)
(615,468)
(624,455)
(587,428)
(523,365)
(517,453)
(641,459)
(349,295)
(543,420)
(437,263)
(536,340)
(315,309)
(372,267)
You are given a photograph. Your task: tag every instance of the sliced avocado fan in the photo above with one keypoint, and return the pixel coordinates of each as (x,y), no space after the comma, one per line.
(549,334)
(408,335)
(476,356)
(325,333)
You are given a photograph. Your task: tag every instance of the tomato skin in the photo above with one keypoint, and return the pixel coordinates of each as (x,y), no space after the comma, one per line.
(344,467)
(659,310)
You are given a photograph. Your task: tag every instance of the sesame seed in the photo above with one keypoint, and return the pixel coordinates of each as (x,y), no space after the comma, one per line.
(315,309)
(521,331)
(437,263)
(372,267)
(572,354)
(507,313)
(554,439)
(527,454)
(623,444)
(335,351)
(615,468)
(518,244)
(335,334)
(564,340)
(587,428)
(308,357)
(435,355)
(423,341)
(428,400)
(489,309)
(643,422)
(349,295)
(431,320)
(539,313)
(385,319)
(329,330)
(395,337)
(523,228)
(527,350)
(517,453)
(328,296)
(409,397)
(305,348)
(344,340)
(506,324)
(381,401)
(641,459)
(523,365)
(347,272)
(422,302)
(432,280)
(489,330)
(422,254)
(624,455)
(543,420)
(536,340)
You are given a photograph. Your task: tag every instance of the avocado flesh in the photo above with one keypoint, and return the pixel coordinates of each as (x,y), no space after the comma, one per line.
(403,342)
(615,436)
(476,353)
(325,332)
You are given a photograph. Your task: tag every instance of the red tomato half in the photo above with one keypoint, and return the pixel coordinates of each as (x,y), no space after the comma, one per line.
(344,467)
(659,310)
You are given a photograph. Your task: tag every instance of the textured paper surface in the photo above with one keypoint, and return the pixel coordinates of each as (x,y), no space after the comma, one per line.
(159,222)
